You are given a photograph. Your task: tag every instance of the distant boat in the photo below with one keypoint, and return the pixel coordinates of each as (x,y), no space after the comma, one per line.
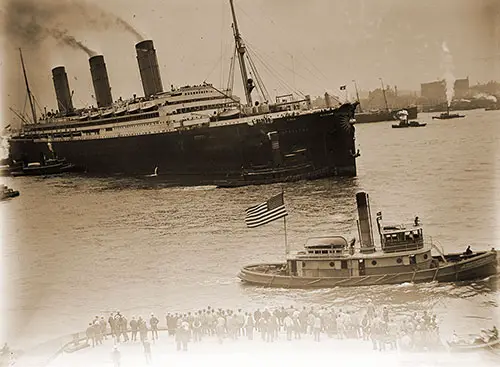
(403,124)
(495,108)
(403,121)
(447,115)
(49,167)
(7,192)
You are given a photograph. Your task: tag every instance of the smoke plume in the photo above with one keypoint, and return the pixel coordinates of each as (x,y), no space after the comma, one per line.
(68,40)
(139,37)
(448,73)
(485,96)
(27,19)
(33,25)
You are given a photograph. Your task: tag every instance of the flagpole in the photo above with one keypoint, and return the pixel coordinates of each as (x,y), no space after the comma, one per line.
(286,242)
(284,224)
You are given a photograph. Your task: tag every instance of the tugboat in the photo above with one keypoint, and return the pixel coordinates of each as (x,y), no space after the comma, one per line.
(7,192)
(49,167)
(402,116)
(447,115)
(403,256)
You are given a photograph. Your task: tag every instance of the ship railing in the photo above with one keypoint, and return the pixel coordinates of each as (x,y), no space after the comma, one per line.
(352,250)
(45,353)
(398,227)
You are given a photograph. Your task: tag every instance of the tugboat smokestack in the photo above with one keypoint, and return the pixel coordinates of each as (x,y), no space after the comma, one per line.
(365,223)
(148,67)
(101,81)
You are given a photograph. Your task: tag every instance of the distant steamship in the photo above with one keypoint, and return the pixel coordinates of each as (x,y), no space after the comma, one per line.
(192,135)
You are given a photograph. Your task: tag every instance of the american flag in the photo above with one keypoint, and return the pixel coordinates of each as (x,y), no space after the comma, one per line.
(266,212)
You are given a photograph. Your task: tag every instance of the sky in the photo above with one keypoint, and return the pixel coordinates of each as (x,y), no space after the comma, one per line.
(312,46)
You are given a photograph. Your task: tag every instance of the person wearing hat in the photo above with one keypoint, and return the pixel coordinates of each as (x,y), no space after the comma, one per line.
(153,322)
(134,327)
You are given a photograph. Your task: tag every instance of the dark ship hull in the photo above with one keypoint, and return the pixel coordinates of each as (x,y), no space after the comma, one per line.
(288,148)
(365,117)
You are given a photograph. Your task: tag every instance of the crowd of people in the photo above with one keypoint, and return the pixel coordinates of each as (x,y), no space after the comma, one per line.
(378,326)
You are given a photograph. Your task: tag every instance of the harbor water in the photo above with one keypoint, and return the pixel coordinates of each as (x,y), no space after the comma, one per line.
(75,247)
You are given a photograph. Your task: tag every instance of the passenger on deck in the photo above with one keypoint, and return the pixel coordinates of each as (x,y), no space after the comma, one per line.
(468,251)
(417,221)
(351,246)
(493,333)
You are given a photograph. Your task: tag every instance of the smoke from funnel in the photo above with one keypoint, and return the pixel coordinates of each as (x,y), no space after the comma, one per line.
(139,37)
(32,24)
(71,41)
(485,96)
(449,79)
(27,19)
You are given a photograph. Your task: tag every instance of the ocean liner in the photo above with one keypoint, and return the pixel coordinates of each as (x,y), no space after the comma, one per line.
(191,135)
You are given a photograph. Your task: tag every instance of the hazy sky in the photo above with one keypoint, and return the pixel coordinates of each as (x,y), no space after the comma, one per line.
(325,42)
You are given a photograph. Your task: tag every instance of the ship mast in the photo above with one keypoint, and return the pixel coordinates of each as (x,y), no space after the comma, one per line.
(357,95)
(385,98)
(240,47)
(33,112)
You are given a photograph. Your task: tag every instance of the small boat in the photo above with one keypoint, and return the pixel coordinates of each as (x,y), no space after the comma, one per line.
(120,111)
(7,192)
(487,341)
(107,113)
(474,346)
(84,116)
(402,116)
(148,106)
(447,115)
(133,108)
(403,124)
(403,256)
(49,167)
(494,108)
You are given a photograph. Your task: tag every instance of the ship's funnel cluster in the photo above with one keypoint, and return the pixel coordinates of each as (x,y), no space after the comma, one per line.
(100,81)
(364,223)
(148,67)
(63,94)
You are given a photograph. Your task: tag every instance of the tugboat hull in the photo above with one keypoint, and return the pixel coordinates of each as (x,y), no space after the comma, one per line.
(477,266)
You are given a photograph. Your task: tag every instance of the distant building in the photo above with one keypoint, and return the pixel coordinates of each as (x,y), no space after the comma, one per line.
(461,88)
(434,92)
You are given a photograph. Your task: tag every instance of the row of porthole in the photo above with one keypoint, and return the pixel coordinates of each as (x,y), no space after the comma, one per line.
(374,262)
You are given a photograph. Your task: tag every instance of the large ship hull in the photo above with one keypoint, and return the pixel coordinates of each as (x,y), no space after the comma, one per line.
(288,148)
